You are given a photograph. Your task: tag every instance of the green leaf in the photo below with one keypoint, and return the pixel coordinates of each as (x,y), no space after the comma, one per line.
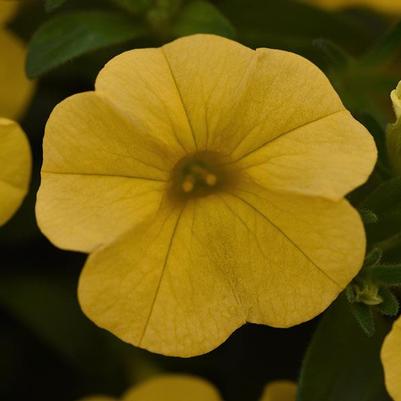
(335,55)
(133,6)
(342,363)
(47,305)
(368,217)
(384,197)
(388,275)
(350,294)
(373,257)
(68,36)
(364,316)
(385,48)
(390,305)
(51,5)
(202,17)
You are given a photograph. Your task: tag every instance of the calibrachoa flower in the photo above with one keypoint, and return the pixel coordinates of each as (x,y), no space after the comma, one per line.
(184,388)
(391,359)
(15,166)
(16,89)
(387,6)
(206,179)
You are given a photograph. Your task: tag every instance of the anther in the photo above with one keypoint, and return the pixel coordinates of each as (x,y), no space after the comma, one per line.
(188,184)
(211,180)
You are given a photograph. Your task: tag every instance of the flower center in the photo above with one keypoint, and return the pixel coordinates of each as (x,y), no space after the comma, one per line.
(198,175)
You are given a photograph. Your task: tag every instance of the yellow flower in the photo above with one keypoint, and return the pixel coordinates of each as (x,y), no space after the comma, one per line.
(387,6)
(280,391)
(16,89)
(391,358)
(393,137)
(15,165)
(185,388)
(206,179)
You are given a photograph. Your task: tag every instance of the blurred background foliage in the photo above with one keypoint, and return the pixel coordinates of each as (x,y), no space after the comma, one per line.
(48,349)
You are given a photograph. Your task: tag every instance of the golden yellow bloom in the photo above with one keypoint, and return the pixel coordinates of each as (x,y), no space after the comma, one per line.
(15,166)
(206,179)
(387,6)
(16,89)
(391,358)
(280,391)
(7,10)
(393,137)
(185,388)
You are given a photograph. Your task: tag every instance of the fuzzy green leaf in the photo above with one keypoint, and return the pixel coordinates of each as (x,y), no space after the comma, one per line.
(342,363)
(364,316)
(374,257)
(68,36)
(202,17)
(384,197)
(390,305)
(51,5)
(368,217)
(335,55)
(388,275)
(133,6)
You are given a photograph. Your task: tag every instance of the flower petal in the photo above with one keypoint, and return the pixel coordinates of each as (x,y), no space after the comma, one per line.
(100,177)
(173,388)
(15,168)
(280,391)
(16,89)
(182,284)
(238,99)
(164,286)
(392,361)
(7,10)
(140,84)
(327,158)
(382,5)
(296,254)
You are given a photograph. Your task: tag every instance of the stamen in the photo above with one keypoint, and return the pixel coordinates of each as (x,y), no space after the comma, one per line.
(211,180)
(188,184)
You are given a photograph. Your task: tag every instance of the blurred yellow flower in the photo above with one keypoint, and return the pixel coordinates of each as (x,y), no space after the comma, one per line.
(206,179)
(387,6)
(189,388)
(391,358)
(394,133)
(15,166)
(7,10)
(16,89)
(280,391)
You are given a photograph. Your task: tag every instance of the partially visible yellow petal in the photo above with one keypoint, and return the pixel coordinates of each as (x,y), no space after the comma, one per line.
(391,358)
(167,286)
(8,8)
(280,391)
(16,89)
(173,388)
(100,177)
(388,6)
(15,168)
(327,158)
(238,99)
